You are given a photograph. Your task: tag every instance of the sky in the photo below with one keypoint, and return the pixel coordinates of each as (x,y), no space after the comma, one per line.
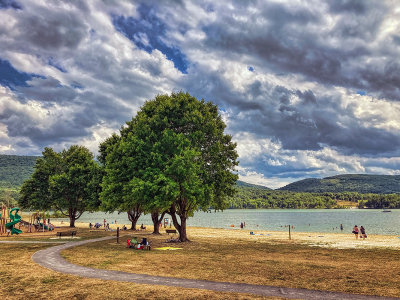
(306,88)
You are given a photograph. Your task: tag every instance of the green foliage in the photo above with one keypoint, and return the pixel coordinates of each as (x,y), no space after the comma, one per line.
(255,197)
(14,170)
(9,197)
(252,197)
(67,181)
(173,154)
(363,183)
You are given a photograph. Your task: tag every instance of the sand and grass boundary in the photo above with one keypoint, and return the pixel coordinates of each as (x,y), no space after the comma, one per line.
(317,261)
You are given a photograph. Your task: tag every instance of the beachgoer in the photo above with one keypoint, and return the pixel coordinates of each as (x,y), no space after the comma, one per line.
(341,227)
(90,225)
(363,235)
(142,227)
(355,231)
(241,225)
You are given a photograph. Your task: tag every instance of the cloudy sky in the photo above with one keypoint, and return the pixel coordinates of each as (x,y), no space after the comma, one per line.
(307,88)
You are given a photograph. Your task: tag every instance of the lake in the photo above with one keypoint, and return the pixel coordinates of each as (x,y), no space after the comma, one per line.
(306,220)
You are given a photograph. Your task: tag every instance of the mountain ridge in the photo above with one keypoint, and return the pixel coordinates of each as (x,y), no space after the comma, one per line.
(360,183)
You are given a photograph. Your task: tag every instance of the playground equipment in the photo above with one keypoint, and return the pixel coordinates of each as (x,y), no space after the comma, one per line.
(36,219)
(15,219)
(8,225)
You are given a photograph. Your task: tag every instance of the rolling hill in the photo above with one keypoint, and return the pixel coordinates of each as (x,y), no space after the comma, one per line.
(249,185)
(14,169)
(361,183)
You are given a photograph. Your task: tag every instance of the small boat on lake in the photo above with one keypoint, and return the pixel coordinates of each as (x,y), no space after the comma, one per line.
(386,210)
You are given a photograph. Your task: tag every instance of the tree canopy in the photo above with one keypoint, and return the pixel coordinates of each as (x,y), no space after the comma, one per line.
(173,155)
(67,181)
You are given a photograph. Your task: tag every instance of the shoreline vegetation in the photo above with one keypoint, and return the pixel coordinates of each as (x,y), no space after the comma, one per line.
(317,261)
(342,191)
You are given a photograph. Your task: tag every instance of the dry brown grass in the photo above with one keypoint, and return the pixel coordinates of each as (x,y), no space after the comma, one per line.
(213,254)
(235,257)
(21,278)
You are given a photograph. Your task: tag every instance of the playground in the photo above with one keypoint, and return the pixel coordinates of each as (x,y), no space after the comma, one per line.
(12,222)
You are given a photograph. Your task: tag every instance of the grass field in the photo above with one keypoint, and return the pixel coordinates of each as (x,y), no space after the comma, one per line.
(213,254)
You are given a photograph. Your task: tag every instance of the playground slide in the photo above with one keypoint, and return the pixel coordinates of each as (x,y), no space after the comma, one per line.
(45,226)
(15,219)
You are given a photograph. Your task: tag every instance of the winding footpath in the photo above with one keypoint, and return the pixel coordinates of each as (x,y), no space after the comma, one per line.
(51,259)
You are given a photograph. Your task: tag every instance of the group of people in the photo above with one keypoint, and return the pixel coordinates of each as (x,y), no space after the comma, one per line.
(361,232)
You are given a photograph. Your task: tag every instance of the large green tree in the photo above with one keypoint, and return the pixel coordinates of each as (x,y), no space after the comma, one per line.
(68,181)
(173,155)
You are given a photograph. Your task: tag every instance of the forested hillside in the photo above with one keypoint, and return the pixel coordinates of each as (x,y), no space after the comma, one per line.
(14,170)
(251,197)
(360,183)
(373,191)
(245,184)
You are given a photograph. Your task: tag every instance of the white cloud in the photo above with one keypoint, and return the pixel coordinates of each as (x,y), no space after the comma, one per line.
(296,115)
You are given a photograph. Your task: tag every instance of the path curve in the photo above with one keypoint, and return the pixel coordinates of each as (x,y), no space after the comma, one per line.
(51,259)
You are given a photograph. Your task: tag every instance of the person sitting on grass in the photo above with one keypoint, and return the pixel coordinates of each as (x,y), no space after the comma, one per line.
(142,227)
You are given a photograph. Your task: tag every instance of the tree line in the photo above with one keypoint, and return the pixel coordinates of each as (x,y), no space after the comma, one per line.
(251,197)
(14,170)
(171,158)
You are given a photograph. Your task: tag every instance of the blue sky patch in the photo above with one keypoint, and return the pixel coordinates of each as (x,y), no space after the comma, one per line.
(4,4)
(77,85)
(11,77)
(362,93)
(54,64)
(148,32)
(251,69)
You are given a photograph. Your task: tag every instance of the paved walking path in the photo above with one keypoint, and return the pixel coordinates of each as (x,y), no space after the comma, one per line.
(31,242)
(51,259)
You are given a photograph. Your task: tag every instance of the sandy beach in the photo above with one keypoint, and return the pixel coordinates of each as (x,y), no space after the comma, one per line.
(330,240)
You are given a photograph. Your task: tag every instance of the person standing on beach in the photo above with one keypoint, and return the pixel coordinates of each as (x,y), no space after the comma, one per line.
(355,231)
(363,235)
(341,227)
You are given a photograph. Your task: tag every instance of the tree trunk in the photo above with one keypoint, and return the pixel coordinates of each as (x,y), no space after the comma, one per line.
(133,215)
(157,221)
(182,231)
(72,217)
(180,227)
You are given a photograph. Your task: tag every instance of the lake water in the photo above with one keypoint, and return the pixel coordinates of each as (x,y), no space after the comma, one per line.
(306,220)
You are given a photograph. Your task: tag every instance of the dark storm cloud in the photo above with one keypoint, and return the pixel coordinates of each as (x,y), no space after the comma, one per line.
(21,124)
(348,6)
(285,76)
(307,124)
(48,90)
(275,38)
(4,4)
(53,31)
